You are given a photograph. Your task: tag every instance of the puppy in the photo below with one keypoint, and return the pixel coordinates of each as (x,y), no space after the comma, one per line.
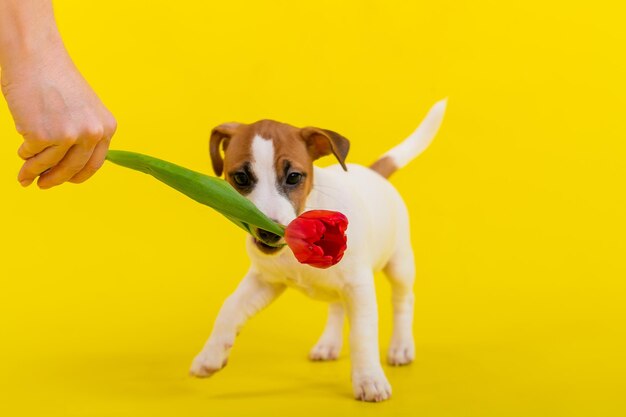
(271,164)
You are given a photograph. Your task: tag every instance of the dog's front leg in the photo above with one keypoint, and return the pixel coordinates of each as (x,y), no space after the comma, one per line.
(251,296)
(368,379)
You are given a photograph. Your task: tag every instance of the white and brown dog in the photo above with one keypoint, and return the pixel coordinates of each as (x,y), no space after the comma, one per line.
(271,164)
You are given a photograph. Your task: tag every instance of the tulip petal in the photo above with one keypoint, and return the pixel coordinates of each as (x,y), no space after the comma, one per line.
(317,237)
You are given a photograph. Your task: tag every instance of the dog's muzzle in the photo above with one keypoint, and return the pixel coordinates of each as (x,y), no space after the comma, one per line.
(267,237)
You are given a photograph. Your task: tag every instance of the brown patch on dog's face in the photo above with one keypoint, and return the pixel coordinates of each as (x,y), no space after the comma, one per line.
(295,150)
(292,163)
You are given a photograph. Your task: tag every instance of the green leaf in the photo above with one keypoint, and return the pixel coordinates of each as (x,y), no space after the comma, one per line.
(210,191)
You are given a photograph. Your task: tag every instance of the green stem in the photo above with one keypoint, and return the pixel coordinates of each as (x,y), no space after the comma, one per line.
(210,191)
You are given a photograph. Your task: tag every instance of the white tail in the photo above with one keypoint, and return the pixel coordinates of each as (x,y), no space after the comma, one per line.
(419,140)
(400,155)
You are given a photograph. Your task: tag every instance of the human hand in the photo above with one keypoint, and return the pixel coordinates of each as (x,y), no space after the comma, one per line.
(65,127)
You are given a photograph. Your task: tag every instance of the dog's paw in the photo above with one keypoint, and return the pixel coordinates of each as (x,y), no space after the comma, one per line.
(371,387)
(325,350)
(401,353)
(208,362)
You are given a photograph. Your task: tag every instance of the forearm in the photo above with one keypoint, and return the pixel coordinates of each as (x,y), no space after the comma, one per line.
(65,127)
(27,28)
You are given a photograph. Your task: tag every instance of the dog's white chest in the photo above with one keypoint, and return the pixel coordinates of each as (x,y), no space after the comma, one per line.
(324,288)
(320,284)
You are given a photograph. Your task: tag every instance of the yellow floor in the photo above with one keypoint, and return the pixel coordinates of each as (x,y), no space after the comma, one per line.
(468,364)
(109,289)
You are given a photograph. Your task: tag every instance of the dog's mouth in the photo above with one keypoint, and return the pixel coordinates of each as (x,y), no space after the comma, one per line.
(267,242)
(267,249)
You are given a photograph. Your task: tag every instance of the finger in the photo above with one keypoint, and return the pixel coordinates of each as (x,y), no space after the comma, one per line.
(94,163)
(30,148)
(73,161)
(39,163)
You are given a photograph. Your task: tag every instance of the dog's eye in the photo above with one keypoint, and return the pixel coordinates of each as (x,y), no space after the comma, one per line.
(241,179)
(294,178)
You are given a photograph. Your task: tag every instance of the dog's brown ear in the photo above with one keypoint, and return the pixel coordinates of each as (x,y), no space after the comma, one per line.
(220,135)
(322,142)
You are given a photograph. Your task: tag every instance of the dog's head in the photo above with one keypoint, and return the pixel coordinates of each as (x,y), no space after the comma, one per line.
(271,164)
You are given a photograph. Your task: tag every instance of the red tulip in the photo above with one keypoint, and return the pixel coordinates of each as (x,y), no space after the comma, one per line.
(318,237)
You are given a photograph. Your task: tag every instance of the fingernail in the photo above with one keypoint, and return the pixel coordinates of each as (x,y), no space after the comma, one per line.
(26,183)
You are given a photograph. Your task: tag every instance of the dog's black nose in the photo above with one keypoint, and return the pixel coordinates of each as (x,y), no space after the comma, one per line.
(268,237)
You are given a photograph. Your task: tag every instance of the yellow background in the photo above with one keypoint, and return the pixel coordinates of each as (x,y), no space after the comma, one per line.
(110,288)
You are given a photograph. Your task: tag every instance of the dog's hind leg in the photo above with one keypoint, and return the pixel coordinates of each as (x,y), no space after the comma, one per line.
(250,297)
(401,273)
(330,342)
